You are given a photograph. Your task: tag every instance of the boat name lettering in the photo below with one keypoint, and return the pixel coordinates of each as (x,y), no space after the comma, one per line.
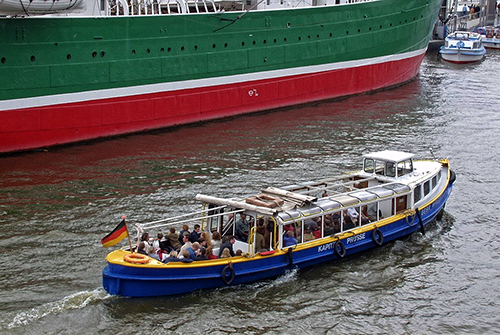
(356,238)
(325,247)
(253,93)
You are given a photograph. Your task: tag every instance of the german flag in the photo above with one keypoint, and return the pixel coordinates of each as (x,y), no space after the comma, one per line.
(115,236)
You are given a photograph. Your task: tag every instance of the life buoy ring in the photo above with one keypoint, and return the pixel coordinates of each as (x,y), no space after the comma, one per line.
(377,237)
(136,258)
(339,249)
(453,177)
(481,31)
(223,274)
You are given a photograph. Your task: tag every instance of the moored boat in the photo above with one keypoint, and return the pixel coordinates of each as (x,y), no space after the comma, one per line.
(462,47)
(79,70)
(490,37)
(392,197)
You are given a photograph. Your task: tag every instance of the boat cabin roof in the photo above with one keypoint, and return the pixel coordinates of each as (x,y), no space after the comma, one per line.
(389,156)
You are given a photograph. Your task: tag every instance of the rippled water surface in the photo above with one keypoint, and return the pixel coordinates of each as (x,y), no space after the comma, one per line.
(56,205)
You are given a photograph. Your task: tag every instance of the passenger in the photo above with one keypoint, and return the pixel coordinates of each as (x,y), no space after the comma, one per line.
(310,224)
(325,194)
(186,244)
(308,235)
(145,239)
(142,248)
(238,252)
(193,250)
(210,253)
(171,258)
(206,236)
(184,257)
(216,240)
(196,234)
(260,244)
(225,253)
(242,228)
(288,239)
(153,253)
(227,245)
(165,244)
(185,229)
(353,215)
(371,212)
(329,228)
(156,241)
(317,233)
(173,237)
(201,255)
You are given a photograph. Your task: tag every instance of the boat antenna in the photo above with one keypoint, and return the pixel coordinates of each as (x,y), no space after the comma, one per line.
(432,153)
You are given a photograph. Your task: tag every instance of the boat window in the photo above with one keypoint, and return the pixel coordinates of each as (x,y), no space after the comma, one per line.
(390,169)
(417,193)
(427,187)
(434,181)
(405,167)
(380,168)
(369,165)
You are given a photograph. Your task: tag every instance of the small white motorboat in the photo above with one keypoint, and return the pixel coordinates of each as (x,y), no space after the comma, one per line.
(462,47)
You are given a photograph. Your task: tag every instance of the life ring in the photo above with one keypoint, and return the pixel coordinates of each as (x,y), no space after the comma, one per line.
(340,252)
(453,177)
(377,237)
(136,258)
(223,274)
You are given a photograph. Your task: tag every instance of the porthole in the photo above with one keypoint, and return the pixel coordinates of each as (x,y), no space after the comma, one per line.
(253,42)
(242,44)
(264,42)
(102,53)
(213,46)
(347,32)
(331,34)
(182,48)
(308,37)
(3,60)
(68,56)
(148,51)
(300,38)
(225,45)
(169,49)
(195,47)
(162,50)
(288,25)
(284,40)
(133,52)
(94,54)
(275,41)
(32,58)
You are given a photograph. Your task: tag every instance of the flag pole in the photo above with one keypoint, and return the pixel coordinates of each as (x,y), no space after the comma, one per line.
(128,234)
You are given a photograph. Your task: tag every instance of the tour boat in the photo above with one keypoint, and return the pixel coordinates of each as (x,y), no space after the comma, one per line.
(391,197)
(77,70)
(462,47)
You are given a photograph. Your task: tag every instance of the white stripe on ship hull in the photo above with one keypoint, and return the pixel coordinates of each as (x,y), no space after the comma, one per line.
(50,100)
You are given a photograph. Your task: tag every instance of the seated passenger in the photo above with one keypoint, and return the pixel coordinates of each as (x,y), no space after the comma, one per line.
(227,245)
(201,255)
(216,240)
(173,238)
(288,239)
(210,253)
(185,257)
(225,253)
(142,249)
(171,258)
(195,234)
(260,244)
